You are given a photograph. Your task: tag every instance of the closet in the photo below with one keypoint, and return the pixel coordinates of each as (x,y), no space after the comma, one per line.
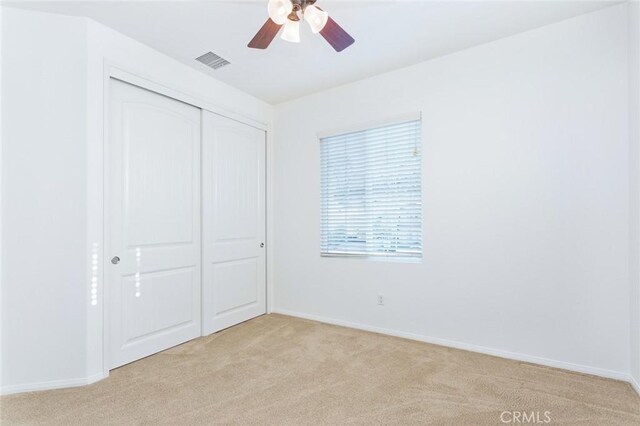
(184,222)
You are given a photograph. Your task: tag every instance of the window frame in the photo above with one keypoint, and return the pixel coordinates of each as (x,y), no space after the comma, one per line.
(372,125)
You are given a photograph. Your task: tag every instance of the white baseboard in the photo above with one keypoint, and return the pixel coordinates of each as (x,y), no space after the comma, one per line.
(585,369)
(54,384)
(634,384)
(96,378)
(60,384)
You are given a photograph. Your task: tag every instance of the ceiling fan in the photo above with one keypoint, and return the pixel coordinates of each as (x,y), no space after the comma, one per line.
(285,12)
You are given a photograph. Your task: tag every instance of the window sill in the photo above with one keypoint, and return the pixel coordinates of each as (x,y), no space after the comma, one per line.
(392,259)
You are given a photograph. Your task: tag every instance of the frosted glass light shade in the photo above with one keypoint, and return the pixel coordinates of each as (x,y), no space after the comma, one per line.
(316,18)
(279,10)
(291,31)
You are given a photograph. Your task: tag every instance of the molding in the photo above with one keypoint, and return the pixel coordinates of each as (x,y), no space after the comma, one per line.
(96,378)
(121,73)
(578,368)
(54,384)
(634,384)
(269,209)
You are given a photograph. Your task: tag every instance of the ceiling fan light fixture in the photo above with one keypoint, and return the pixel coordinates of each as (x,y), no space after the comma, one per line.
(279,10)
(316,17)
(291,31)
(285,13)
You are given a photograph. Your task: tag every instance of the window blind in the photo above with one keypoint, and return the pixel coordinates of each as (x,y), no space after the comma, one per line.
(371,192)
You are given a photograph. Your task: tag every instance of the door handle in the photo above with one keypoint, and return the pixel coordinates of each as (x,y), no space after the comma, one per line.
(261,245)
(115,260)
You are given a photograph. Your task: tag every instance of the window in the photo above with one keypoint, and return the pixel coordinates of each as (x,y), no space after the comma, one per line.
(371,192)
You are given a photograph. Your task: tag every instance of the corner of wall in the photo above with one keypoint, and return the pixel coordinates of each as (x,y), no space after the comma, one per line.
(634,187)
(1,215)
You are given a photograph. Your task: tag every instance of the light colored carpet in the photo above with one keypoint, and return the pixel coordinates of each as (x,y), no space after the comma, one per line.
(286,371)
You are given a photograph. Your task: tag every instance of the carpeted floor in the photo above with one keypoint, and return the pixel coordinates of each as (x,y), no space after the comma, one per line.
(286,371)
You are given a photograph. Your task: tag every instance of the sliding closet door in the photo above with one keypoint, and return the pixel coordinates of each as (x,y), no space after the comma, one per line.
(233,187)
(153,223)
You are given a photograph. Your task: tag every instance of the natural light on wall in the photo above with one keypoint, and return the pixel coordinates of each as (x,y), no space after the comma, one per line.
(371,191)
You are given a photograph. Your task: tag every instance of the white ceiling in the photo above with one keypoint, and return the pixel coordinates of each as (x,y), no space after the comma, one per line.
(389,35)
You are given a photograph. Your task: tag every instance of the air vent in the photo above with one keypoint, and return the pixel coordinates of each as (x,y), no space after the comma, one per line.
(212,60)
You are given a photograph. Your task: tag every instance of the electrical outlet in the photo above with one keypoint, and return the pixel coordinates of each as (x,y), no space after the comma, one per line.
(380,299)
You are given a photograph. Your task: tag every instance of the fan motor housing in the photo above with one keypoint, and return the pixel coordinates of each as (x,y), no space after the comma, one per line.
(301,4)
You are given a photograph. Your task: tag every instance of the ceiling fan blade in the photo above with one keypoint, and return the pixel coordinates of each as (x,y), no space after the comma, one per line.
(336,36)
(267,33)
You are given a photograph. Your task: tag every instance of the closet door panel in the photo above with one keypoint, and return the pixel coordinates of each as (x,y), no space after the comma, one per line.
(233,183)
(153,222)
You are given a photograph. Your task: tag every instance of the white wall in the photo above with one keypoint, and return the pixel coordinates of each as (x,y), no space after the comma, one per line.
(634,194)
(43,191)
(52,140)
(525,200)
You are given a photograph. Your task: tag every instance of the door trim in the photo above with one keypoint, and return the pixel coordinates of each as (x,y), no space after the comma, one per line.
(101,321)
(128,77)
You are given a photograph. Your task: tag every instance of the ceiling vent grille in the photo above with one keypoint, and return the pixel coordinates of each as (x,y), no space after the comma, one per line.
(212,60)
